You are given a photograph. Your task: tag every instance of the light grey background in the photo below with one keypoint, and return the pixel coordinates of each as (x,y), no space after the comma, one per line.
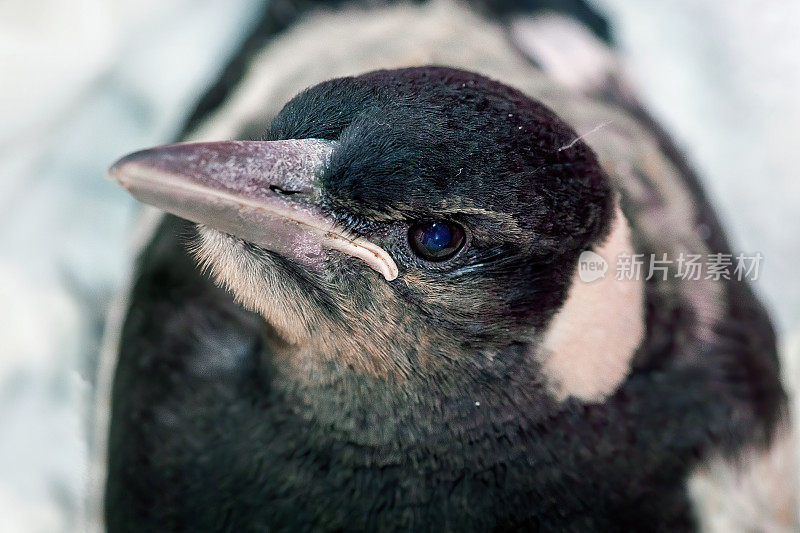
(85,81)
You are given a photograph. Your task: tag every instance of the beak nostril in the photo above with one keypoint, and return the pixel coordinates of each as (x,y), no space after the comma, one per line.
(279,190)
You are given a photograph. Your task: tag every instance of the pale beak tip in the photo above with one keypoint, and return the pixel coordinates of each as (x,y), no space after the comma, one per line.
(114,173)
(124,170)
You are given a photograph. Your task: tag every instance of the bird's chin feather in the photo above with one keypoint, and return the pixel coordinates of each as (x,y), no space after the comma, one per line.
(292,305)
(257,281)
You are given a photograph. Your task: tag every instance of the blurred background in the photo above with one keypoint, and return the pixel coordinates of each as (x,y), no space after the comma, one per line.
(85,81)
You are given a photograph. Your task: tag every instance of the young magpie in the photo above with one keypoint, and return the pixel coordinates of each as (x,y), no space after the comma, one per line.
(378,321)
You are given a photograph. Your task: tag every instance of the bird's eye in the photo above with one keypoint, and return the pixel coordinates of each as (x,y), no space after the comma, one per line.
(436,241)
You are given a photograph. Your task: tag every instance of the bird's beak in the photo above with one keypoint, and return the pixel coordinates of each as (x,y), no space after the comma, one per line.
(263,192)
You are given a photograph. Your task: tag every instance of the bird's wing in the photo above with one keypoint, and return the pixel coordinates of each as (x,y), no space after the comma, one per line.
(188,356)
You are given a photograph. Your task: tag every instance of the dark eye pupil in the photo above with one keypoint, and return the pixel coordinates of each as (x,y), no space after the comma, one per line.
(436,237)
(436,241)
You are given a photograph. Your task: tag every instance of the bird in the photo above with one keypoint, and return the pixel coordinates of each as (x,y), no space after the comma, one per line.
(372,313)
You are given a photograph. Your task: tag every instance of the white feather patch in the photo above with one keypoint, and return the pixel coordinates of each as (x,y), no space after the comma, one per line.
(757,491)
(587,350)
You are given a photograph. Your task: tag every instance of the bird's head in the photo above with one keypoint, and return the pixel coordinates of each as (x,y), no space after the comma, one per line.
(397,223)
